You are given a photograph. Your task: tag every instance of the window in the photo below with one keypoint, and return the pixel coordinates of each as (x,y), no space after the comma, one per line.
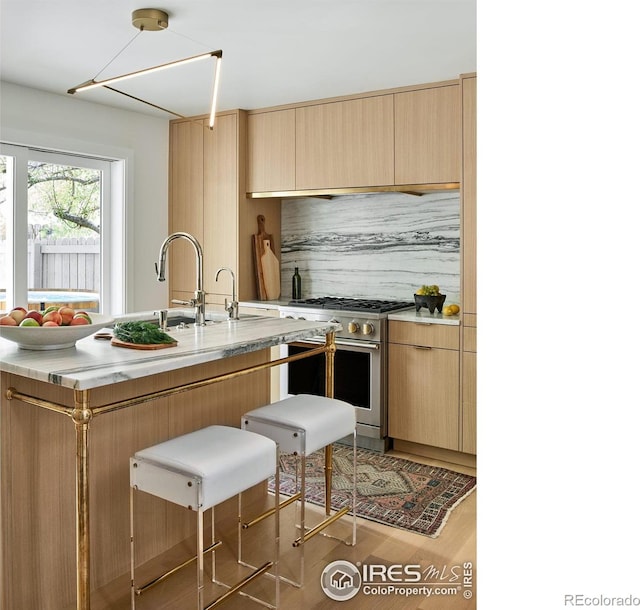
(54,227)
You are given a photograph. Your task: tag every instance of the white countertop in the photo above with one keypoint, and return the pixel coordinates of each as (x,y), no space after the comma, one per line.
(94,363)
(406,315)
(424,317)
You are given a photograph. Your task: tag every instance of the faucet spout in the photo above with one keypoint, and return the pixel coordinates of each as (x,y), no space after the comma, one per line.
(199,297)
(232,308)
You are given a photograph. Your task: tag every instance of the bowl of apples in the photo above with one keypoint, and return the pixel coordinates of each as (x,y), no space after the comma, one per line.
(53,328)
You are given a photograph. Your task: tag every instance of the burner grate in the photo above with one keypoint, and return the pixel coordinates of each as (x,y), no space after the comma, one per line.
(352,304)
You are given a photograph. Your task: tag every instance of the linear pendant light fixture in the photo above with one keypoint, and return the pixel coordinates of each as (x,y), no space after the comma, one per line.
(155,20)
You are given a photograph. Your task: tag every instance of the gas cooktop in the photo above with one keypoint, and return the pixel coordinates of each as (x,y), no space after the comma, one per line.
(351,304)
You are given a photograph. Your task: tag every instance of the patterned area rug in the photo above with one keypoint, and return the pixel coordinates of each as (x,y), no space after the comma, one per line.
(390,490)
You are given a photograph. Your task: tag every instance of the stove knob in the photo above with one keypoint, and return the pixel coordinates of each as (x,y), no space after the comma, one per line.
(289,317)
(353,327)
(301,318)
(368,328)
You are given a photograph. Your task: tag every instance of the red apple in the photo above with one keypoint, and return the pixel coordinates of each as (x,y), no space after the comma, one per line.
(67,314)
(79,320)
(52,316)
(29,322)
(8,320)
(49,323)
(35,315)
(18,314)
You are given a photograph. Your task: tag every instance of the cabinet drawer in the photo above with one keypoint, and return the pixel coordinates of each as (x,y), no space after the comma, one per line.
(426,335)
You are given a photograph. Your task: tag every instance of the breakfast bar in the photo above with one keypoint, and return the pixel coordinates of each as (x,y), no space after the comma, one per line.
(64,500)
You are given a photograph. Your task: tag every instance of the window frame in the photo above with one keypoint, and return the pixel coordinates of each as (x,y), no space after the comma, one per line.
(112,215)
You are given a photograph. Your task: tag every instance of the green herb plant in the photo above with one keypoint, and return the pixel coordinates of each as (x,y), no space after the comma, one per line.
(144,333)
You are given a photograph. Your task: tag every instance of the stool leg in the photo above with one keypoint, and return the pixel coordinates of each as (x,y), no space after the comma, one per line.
(276,529)
(328,478)
(200,552)
(213,541)
(355,488)
(303,494)
(133,554)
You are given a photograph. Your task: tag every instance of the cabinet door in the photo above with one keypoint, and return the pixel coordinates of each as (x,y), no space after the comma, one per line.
(469,140)
(345,144)
(469,402)
(271,156)
(220,207)
(427,136)
(185,200)
(424,395)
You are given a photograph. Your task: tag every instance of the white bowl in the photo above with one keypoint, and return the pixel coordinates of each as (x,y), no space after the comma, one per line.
(52,337)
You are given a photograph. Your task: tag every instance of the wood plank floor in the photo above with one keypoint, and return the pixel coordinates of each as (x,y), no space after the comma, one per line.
(376,543)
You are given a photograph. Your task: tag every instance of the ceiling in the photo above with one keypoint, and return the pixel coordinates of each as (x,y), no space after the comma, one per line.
(274,51)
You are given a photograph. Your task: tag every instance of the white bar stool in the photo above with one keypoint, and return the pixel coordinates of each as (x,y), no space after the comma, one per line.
(198,471)
(301,425)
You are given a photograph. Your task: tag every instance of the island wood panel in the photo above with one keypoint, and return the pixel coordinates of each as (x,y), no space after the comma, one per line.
(185,199)
(424,395)
(427,136)
(220,206)
(38,476)
(345,144)
(271,153)
(468,440)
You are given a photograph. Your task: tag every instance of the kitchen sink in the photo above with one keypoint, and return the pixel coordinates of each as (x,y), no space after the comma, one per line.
(187,320)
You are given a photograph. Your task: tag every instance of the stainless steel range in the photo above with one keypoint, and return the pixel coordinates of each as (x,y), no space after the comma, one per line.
(360,372)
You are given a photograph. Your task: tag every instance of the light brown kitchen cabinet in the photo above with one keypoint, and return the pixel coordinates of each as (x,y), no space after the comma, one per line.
(186,201)
(469,431)
(207,199)
(427,135)
(271,151)
(220,214)
(345,143)
(468,271)
(424,397)
(469,194)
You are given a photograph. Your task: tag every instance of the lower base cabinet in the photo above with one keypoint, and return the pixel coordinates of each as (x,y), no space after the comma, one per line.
(424,386)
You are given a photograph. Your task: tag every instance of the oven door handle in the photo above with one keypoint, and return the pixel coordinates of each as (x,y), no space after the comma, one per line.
(342,342)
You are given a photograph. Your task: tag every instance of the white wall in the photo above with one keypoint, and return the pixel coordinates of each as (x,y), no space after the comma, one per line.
(35,118)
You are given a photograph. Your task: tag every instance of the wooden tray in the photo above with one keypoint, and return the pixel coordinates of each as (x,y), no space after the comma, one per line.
(119,343)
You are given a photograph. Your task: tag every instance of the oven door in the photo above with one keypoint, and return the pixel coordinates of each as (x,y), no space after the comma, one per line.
(356,378)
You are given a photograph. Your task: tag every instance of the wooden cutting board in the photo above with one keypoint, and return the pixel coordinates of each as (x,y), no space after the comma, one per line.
(267,265)
(119,343)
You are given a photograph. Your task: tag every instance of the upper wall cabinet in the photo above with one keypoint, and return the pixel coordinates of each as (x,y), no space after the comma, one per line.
(427,136)
(345,144)
(406,136)
(271,151)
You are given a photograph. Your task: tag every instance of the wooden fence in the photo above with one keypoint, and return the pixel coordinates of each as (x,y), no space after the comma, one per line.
(61,264)
(69,263)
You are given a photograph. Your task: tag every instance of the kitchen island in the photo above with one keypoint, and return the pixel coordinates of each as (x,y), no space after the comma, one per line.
(65,482)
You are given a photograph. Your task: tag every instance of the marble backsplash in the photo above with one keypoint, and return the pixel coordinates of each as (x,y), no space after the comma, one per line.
(381,245)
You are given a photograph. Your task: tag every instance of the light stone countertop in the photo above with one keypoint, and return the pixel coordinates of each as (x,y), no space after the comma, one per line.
(406,315)
(94,363)
(424,317)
